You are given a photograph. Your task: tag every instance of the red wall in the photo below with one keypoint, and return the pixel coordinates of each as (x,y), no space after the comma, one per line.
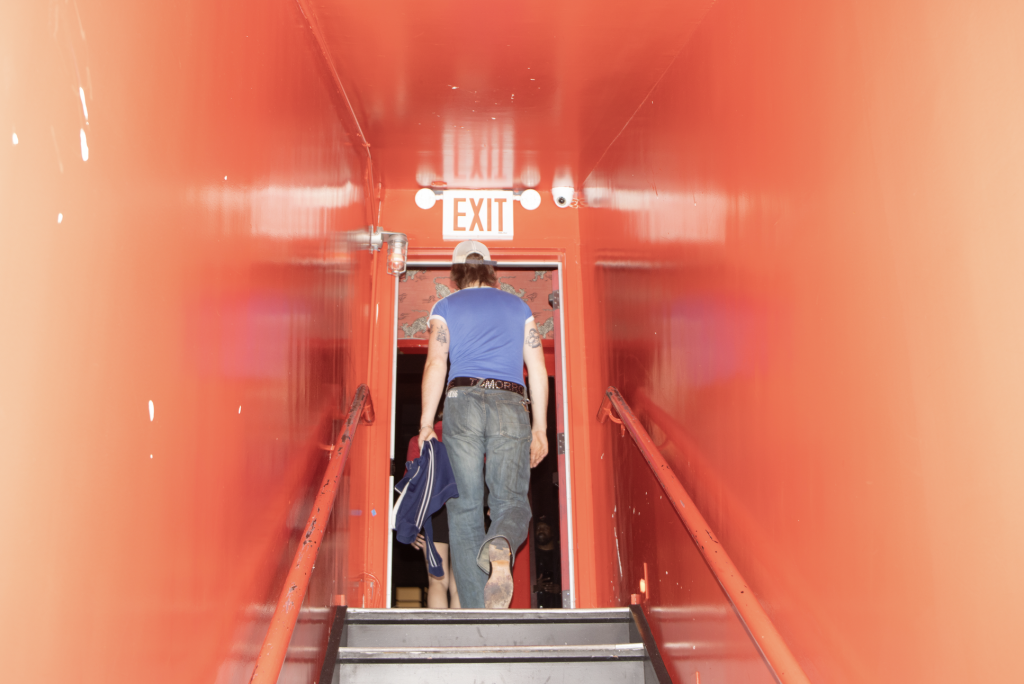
(805,252)
(151,549)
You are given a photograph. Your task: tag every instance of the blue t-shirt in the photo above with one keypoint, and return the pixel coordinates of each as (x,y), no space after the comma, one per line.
(486,328)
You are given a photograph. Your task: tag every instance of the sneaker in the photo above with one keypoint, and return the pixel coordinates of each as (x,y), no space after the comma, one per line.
(498,590)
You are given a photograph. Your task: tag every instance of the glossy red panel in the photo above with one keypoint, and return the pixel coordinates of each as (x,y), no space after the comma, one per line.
(178,325)
(497,96)
(804,257)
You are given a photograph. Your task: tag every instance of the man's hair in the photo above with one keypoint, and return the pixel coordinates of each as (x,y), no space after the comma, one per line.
(473,271)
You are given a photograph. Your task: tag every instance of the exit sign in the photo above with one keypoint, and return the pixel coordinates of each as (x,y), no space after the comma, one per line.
(477,214)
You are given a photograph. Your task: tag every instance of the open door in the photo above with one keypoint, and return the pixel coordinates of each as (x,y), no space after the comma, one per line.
(539,285)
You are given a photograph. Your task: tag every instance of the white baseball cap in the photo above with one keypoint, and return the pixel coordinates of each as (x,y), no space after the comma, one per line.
(467,247)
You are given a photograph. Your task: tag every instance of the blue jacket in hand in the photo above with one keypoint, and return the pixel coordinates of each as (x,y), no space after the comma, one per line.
(427,485)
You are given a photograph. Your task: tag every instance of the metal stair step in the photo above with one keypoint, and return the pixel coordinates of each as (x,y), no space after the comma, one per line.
(595,664)
(493,653)
(468,628)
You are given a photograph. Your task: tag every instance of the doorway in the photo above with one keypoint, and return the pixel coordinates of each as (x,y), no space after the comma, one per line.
(543,572)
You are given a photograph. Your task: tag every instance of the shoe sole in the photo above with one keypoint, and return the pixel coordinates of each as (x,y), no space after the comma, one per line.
(498,590)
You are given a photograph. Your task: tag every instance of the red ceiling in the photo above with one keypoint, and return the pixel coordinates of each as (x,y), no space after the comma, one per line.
(512,95)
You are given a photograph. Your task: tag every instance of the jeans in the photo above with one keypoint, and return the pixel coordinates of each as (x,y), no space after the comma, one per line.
(496,423)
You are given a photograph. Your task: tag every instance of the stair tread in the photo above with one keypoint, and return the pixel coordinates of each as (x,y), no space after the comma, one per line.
(625,651)
(525,616)
(420,628)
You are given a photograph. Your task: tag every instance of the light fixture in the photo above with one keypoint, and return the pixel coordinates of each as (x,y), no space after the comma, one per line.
(529,199)
(398,249)
(425,198)
(398,252)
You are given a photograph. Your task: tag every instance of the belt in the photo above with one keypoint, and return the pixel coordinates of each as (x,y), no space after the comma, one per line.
(489,383)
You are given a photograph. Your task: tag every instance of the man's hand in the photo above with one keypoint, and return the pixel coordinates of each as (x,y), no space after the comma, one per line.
(419,543)
(427,433)
(538,447)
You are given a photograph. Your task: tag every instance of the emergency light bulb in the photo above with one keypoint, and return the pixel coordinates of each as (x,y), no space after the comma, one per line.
(425,198)
(530,199)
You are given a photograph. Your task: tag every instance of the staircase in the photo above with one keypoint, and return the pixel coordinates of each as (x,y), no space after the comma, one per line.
(489,647)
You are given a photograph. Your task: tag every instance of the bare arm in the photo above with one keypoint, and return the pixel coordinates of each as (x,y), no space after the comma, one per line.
(433,378)
(533,355)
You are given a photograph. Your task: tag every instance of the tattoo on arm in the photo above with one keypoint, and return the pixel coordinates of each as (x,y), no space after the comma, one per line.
(442,334)
(533,338)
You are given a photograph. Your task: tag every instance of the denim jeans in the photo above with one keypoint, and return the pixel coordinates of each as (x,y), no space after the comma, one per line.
(496,423)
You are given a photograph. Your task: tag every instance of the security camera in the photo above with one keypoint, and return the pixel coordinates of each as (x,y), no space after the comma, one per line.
(562,196)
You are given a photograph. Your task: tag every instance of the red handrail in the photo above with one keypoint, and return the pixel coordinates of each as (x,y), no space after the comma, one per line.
(757,623)
(282,624)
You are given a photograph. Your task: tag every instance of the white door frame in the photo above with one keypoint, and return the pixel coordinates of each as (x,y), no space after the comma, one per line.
(564,487)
